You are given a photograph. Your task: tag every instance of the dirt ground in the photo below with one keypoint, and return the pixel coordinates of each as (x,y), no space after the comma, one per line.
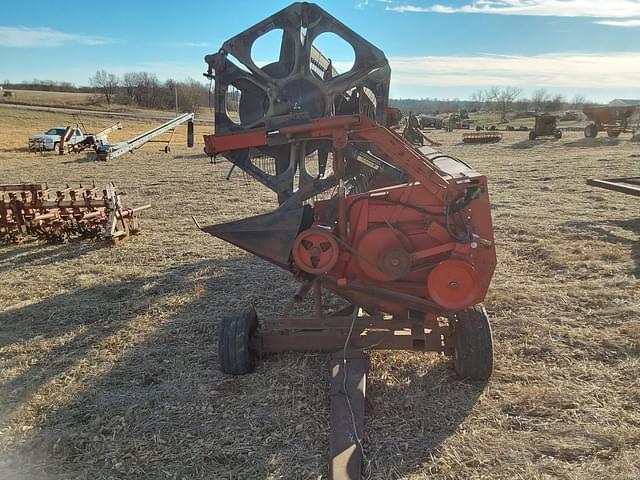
(108,363)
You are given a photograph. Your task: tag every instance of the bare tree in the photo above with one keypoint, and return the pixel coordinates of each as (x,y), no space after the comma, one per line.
(503,99)
(147,89)
(509,95)
(578,101)
(191,95)
(539,99)
(130,84)
(106,83)
(491,96)
(479,98)
(556,103)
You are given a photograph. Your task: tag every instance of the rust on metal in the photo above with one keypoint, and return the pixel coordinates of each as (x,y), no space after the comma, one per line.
(33,211)
(399,231)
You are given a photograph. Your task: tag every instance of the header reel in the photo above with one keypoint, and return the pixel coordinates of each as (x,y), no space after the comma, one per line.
(303,84)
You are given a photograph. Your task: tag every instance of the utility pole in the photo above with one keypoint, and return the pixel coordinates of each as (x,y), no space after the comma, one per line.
(175,86)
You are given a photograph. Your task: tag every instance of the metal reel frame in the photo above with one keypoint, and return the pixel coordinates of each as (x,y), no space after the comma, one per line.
(301,85)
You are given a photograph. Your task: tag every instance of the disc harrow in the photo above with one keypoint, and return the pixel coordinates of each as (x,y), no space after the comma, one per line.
(481,137)
(33,211)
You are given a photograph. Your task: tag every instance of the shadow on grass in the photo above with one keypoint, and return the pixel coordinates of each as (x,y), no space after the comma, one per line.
(194,156)
(409,422)
(16,150)
(593,142)
(525,144)
(47,254)
(602,232)
(124,383)
(87,158)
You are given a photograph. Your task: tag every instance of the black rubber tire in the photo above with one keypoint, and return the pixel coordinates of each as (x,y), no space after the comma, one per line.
(591,131)
(532,135)
(473,351)
(558,134)
(235,355)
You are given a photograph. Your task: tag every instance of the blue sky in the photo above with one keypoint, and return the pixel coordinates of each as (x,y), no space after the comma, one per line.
(437,48)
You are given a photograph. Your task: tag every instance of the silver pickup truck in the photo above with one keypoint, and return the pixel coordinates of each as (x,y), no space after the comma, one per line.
(50,140)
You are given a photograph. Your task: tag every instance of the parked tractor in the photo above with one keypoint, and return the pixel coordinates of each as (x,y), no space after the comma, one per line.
(546,126)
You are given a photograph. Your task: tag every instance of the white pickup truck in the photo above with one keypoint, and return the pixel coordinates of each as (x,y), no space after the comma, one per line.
(50,140)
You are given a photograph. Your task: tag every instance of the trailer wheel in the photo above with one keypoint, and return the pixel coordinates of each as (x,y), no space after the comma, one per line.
(591,130)
(473,351)
(235,355)
(532,135)
(558,134)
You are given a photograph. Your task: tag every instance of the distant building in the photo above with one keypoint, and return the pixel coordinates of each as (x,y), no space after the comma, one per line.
(619,102)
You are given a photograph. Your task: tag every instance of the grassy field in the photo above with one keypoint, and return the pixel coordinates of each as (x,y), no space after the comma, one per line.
(108,362)
(82,101)
(88,101)
(18,125)
(53,99)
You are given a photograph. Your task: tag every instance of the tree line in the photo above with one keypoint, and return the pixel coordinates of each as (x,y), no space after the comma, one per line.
(495,99)
(45,86)
(144,89)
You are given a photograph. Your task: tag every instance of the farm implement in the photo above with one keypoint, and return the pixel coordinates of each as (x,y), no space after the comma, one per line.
(546,126)
(105,151)
(626,185)
(393,243)
(70,139)
(414,135)
(32,210)
(613,120)
(481,137)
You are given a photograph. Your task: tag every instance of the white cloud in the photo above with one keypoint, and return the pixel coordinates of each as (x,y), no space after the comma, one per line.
(39,37)
(551,8)
(558,70)
(620,23)
(362,4)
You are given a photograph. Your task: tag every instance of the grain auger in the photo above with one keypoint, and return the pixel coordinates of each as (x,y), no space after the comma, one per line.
(34,211)
(404,238)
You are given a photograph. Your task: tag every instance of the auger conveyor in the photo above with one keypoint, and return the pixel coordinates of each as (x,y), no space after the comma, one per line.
(109,152)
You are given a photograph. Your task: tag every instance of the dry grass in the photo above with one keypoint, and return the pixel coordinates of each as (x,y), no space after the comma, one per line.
(73,100)
(18,125)
(53,99)
(82,101)
(108,358)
